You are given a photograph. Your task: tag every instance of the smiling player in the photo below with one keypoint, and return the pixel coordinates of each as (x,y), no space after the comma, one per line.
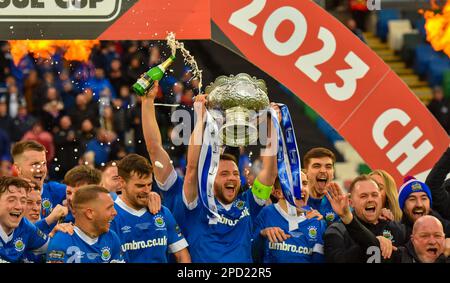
(17,235)
(319,166)
(31,164)
(92,240)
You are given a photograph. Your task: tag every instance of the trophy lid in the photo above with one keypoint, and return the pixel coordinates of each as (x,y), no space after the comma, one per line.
(240,90)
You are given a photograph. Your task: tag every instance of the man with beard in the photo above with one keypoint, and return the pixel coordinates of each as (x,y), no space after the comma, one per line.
(92,241)
(415,201)
(228,240)
(31,164)
(319,166)
(146,236)
(226,237)
(365,199)
(426,245)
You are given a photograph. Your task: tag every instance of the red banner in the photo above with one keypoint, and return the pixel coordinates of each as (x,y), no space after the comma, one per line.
(325,65)
(152,19)
(295,41)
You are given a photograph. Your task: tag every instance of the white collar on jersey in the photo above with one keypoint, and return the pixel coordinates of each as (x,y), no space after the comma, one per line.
(88,240)
(5,237)
(227,207)
(292,220)
(130,210)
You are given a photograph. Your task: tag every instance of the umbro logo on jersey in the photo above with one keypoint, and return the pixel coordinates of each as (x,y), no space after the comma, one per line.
(143,226)
(92,256)
(126,229)
(296,234)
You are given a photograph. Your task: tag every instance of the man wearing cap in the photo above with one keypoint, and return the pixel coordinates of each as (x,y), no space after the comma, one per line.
(415,200)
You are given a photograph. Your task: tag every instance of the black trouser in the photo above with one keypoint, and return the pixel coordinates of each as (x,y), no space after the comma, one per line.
(360,19)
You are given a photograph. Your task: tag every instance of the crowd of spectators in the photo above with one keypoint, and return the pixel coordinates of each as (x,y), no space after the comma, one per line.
(86,111)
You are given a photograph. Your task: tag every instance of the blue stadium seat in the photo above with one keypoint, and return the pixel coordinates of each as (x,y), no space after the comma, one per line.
(436,69)
(384,16)
(419,25)
(423,54)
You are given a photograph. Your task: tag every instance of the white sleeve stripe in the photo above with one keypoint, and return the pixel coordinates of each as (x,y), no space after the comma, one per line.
(171,179)
(42,249)
(191,205)
(178,246)
(318,248)
(259,201)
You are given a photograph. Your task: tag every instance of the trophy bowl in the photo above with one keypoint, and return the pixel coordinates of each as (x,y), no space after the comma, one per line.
(238,98)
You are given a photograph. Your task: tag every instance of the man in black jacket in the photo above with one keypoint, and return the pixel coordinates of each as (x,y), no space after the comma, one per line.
(365,198)
(427,243)
(440,188)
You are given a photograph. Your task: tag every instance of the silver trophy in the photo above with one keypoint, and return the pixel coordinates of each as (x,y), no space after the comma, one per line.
(238,98)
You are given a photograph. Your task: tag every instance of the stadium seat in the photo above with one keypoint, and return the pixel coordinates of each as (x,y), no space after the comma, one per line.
(436,69)
(346,170)
(410,41)
(363,168)
(423,55)
(372,23)
(419,25)
(384,16)
(349,153)
(397,28)
(411,15)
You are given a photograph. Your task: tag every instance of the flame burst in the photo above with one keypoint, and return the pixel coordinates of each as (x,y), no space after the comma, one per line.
(437,26)
(79,50)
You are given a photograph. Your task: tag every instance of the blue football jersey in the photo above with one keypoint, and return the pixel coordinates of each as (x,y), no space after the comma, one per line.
(52,193)
(228,240)
(305,244)
(171,192)
(69,218)
(80,248)
(25,238)
(40,258)
(324,207)
(44,227)
(147,237)
(172,198)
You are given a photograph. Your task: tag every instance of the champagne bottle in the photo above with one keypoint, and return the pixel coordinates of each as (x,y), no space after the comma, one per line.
(147,79)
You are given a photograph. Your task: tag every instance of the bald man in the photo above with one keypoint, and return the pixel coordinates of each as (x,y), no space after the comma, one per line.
(428,240)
